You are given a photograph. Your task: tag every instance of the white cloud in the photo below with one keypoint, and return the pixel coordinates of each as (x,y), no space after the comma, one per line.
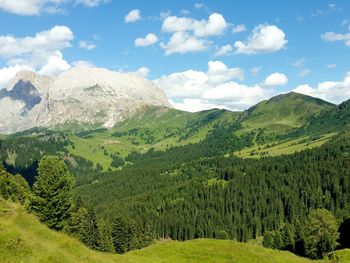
(143,71)
(218,72)
(133,16)
(215,25)
(194,105)
(197,90)
(332,37)
(150,39)
(8,73)
(86,45)
(37,7)
(189,35)
(237,96)
(276,79)
(333,91)
(28,7)
(55,65)
(224,51)
(264,39)
(183,42)
(254,71)
(192,83)
(41,52)
(92,3)
(238,28)
(58,37)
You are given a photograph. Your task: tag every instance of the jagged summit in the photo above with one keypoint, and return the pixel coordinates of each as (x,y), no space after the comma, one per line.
(81,94)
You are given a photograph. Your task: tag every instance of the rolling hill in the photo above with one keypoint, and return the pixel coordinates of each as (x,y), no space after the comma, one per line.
(24,239)
(283,112)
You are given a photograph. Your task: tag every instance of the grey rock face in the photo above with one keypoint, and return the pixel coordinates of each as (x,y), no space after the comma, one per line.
(82,95)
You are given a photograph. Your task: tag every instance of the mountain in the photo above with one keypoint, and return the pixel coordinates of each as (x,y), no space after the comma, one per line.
(330,120)
(24,239)
(82,95)
(283,112)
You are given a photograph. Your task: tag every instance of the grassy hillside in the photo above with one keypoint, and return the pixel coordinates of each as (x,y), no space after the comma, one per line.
(24,239)
(288,146)
(283,112)
(157,128)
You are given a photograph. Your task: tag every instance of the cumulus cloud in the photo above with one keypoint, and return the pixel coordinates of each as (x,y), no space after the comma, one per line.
(216,88)
(238,28)
(41,52)
(218,72)
(55,65)
(333,91)
(215,25)
(86,45)
(29,7)
(133,16)
(182,42)
(189,35)
(58,37)
(332,37)
(224,51)
(150,39)
(263,39)
(194,105)
(275,79)
(37,7)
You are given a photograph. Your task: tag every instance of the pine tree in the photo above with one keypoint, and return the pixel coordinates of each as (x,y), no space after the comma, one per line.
(121,235)
(105,237)
(52,193)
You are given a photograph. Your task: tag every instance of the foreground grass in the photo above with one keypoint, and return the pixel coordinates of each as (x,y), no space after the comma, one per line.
(24,239)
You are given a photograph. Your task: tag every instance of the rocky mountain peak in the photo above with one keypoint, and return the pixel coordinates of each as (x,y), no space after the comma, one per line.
(82,94)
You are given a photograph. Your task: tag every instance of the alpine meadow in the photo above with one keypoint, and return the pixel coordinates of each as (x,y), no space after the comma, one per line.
(187,131)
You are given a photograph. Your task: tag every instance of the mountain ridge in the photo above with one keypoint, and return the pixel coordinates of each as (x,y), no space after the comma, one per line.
(81,94)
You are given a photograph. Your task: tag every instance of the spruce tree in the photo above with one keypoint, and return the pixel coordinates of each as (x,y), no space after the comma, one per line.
(105,237)
(52,193)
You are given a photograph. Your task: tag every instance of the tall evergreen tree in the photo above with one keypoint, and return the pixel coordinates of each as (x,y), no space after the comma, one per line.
(121,235)
(52,193)
(105,237)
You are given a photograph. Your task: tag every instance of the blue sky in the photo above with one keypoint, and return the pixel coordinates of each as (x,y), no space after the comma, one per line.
(266,48)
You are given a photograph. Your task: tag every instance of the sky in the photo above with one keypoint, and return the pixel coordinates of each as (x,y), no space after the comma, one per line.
(203,54)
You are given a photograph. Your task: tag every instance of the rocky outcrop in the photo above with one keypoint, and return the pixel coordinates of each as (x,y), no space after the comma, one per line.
(82,95)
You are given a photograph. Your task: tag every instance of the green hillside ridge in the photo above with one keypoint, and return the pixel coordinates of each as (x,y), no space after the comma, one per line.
(283,112)
(24,239)
(155,127)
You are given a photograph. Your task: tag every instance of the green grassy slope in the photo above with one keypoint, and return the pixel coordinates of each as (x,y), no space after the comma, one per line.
(283,112)
(24,239)
(154,127)
(285,147)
